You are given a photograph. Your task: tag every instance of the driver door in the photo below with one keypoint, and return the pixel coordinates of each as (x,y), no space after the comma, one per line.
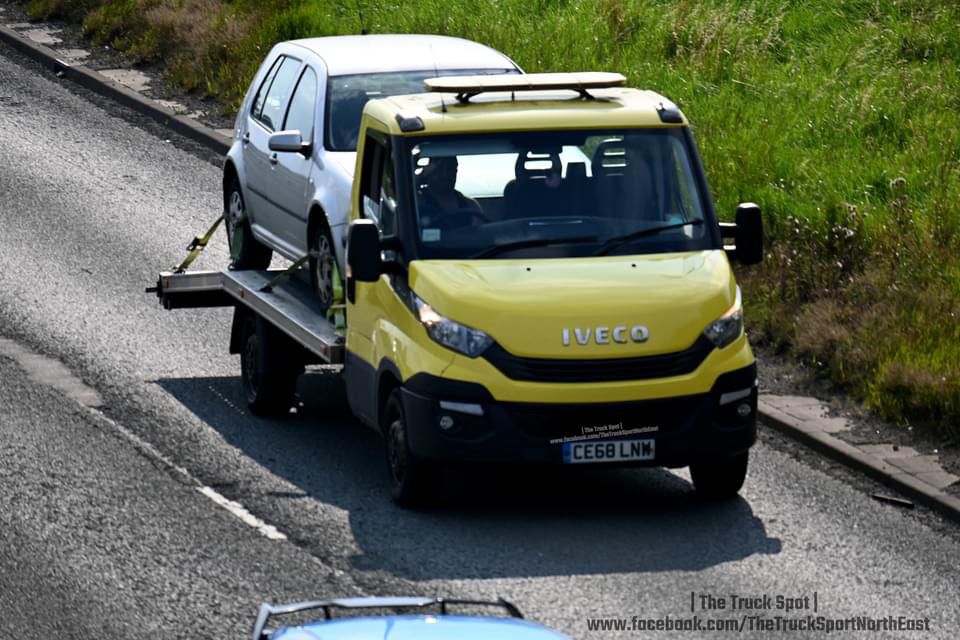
(374,303)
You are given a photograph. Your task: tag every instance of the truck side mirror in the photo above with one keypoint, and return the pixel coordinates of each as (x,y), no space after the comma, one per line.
(749,233)
(363,251)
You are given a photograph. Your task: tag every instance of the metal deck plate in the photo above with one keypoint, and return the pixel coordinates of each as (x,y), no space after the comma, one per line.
(291,307)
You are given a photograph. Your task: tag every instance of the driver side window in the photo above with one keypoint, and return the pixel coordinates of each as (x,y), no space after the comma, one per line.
(377,188)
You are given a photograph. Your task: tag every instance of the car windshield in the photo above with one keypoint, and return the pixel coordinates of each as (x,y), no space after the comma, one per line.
(346,96)
(557,194)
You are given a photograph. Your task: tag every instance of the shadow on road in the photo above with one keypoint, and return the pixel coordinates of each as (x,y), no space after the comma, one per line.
(495,522)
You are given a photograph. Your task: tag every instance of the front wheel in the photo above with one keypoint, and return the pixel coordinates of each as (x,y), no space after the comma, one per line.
(322,265)
(413,483)
(246,252)
(720,477)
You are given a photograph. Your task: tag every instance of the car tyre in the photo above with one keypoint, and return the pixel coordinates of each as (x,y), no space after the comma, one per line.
(322,265)
(720,478)
(413,483)
(246,252)
(269,369)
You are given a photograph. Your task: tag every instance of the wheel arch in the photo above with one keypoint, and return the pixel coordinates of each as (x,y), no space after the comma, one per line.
(388,379)
(316,217)
(230,174)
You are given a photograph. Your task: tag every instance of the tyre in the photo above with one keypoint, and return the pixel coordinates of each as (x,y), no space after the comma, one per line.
(720,477)
(246,252)
(322,261)
(269,367)
(413,483)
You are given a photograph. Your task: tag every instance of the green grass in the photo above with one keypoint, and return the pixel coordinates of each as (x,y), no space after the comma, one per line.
(840,118)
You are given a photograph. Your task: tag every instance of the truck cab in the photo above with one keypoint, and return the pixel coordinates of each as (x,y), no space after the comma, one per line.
(536,274)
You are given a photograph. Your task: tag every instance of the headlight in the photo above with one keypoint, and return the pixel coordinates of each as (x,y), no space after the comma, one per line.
(453,335)
(727,327)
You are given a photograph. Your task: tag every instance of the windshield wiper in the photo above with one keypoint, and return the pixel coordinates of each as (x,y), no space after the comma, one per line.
(525,244)
(639,233)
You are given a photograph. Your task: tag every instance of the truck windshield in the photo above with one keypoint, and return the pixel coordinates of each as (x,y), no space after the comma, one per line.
(557,194)
(346,96)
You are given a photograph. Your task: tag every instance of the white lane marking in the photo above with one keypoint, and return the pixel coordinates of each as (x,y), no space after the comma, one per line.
(50,373)
(237,509)
(53,373)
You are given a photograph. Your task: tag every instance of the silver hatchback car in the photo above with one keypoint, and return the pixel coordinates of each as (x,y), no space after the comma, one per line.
(288,175)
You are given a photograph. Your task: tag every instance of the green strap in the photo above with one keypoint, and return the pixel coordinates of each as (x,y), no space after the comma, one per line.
(196,246)
(336,314)
(283,275)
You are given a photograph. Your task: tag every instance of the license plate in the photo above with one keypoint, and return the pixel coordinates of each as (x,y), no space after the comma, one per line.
(609,451)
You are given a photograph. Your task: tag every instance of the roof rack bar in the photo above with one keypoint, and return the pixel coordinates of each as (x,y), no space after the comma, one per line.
(268,611)
(499,602)
(466,87)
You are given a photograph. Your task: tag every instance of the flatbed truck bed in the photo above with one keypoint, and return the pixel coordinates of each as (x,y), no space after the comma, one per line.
(288,304)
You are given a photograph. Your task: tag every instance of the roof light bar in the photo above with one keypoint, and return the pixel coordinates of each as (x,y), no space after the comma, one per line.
(468,86)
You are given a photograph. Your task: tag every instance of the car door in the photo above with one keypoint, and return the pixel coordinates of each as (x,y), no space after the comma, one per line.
(265,117)
(292,184)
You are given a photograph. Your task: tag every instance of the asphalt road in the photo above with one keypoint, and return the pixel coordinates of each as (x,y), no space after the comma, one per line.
(114,414)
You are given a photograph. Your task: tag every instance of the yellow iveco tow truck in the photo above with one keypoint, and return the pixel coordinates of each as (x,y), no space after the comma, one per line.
(535,275)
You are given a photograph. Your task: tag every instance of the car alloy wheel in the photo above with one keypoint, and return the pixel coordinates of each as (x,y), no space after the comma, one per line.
(323,270)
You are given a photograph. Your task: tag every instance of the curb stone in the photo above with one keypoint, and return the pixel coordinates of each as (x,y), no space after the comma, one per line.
(99,83)
(801,418)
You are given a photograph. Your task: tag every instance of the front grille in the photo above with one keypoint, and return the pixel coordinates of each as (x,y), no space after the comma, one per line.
(637,419)
(603,370)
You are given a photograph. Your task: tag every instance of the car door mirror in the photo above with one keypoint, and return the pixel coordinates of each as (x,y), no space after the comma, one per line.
(289,142)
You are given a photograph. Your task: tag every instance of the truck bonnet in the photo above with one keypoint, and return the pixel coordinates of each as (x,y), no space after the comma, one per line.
(570,308)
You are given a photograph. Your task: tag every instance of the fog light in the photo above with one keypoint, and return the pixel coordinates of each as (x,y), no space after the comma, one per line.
(446,423)
(743,409)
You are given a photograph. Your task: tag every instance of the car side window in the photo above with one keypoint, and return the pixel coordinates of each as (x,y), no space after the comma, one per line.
(300,114)
(377,186)
(257,107)
(270,110)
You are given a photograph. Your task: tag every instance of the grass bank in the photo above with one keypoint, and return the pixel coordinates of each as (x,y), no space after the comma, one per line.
(841,118)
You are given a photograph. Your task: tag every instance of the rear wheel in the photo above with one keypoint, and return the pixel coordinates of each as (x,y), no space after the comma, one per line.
(720,477)
(246,252)
(269,368)
(413,482)
(322,260)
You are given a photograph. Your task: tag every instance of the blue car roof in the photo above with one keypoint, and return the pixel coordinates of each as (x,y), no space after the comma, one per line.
(419,627)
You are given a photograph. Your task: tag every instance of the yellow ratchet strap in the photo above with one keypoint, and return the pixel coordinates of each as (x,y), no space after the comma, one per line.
(196,246)
(336,314)
(283,275)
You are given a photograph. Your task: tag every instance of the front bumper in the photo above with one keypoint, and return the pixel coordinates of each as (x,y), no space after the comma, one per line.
(450,421)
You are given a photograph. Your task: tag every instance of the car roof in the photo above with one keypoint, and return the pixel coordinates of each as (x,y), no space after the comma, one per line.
(346,55)
(420,627)
(520,111)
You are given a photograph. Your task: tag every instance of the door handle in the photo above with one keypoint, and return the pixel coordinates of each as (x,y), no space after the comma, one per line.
(246,138)
(273,158)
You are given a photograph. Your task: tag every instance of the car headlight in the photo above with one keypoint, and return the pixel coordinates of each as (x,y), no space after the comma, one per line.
(453,335)
(727,327)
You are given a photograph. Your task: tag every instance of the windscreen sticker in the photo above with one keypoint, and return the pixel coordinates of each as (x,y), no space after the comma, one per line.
(430,235)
